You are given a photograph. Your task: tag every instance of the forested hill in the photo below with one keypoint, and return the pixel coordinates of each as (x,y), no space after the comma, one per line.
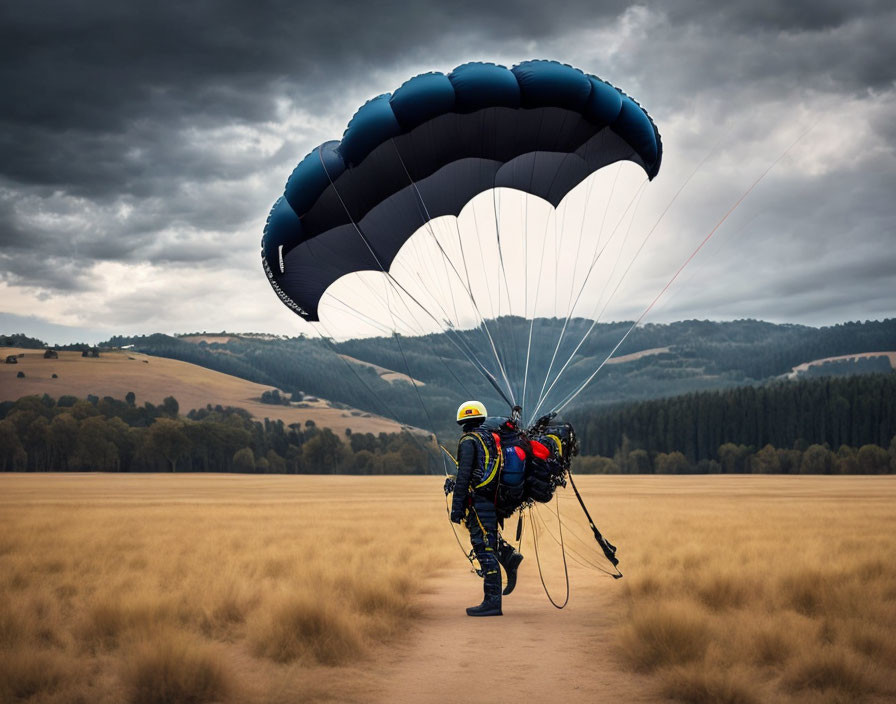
(679,358)
(834,412)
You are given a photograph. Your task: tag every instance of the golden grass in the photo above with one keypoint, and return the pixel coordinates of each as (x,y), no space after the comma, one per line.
(281,589)
(743,589)
(204,588)
(154,378)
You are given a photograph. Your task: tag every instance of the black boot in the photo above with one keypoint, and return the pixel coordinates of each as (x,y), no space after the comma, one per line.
(490,606)
(510,560)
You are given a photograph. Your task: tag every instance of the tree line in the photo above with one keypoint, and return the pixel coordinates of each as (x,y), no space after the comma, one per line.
(41,434)
(732,458)
(832,412)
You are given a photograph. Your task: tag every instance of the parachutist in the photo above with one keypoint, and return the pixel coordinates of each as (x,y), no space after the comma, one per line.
(479,462)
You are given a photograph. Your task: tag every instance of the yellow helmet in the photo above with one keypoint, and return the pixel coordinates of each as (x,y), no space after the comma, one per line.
(470,410)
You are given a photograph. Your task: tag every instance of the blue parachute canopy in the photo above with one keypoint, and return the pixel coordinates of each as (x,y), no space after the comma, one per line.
(428,148)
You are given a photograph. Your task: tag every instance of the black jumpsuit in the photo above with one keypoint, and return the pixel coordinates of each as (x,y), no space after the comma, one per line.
(481,519)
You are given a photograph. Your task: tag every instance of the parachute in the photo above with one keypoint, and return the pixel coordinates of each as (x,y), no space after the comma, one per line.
(443,204)
(427,149)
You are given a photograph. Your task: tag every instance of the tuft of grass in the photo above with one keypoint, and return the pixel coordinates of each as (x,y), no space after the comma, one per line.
(298,627)
(29,672)
(173,668)
(12,626)
(722,591)
(831,668)
(665,634)
(702,685)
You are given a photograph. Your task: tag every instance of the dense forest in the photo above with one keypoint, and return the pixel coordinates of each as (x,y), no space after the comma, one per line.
(69,434)
(855,410)
(41,434)
(688,356)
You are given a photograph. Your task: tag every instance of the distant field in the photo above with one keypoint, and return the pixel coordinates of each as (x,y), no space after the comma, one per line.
(804,367)
(622,359)
(154,378)
(385,374)
(290,589)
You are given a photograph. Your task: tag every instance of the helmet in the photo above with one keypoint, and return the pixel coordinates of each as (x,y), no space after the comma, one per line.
(470,410)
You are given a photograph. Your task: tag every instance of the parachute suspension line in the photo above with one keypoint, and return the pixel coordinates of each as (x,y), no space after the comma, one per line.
(576,556)
(600,233)
(570,309)
(488,290)
(544,586)
(687,261)
(354,312)
(373,394)
(662,215)
(496,211)
(634,201)
(482,324)
(386,330)
(597,317)
(619,283)
(428,220)
(459,343)
(622,278)
(512,337)
(407,367)
(544,244)
(397,284)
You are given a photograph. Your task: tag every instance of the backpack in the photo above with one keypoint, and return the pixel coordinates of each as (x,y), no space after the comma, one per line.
(552,451)
(523,468)
(507,457)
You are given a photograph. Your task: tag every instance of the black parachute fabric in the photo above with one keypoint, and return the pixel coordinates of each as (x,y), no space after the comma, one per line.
(427,149)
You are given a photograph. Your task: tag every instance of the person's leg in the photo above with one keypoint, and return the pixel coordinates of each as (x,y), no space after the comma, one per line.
(483,526)
(510,560)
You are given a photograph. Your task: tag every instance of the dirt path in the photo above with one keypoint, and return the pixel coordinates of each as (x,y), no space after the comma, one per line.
(534,653)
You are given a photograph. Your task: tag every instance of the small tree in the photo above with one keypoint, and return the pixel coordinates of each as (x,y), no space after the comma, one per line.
(766,461)
(873,459)
(170,407)
(817,459)
(166,438)
(244,461)
(672,463)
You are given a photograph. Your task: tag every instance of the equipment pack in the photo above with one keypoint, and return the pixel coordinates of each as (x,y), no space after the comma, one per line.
(532,463)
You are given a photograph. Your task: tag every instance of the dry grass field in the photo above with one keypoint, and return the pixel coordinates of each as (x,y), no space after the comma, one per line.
(154,378)
(288,589)
(760,589)
(204,588)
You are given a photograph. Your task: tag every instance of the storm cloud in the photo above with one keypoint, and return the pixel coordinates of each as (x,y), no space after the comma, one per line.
(143,143)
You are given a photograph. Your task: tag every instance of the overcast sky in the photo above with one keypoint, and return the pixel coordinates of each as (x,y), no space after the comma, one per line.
(143,144)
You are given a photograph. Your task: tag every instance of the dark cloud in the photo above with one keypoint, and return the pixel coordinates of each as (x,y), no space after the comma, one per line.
(160,133)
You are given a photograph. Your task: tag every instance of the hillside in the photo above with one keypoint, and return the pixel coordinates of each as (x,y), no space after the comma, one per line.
(655,361)
(151,378)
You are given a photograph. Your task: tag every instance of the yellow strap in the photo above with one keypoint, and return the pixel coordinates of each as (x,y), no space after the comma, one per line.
(481,527)
(495,467)
(556,439)
(453,458)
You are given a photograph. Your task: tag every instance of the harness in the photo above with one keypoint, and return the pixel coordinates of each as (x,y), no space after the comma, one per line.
(491,461)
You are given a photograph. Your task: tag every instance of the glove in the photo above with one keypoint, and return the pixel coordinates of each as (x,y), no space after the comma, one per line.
(457,516)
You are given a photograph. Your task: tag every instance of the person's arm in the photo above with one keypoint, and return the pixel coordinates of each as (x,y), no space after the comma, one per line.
(466,456)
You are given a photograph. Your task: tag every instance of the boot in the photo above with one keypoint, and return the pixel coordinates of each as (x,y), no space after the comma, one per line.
(510,560)
(490,606)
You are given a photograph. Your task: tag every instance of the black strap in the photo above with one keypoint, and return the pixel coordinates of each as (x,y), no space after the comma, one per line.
(605,545)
